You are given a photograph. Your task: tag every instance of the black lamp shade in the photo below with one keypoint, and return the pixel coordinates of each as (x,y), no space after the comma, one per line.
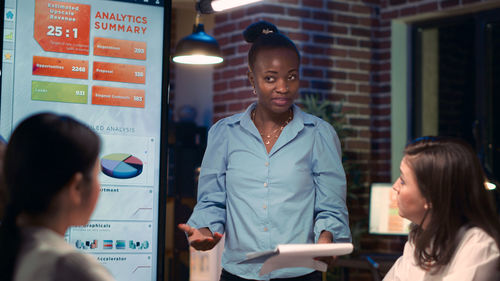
(200,45)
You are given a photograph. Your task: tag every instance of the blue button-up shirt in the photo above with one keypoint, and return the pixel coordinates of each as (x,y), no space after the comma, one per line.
(260,199)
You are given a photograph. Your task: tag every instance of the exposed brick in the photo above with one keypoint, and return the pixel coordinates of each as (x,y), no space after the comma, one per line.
(346,19)
(324,62)
(236,61)
(237,83)
(304,84)
(236,106)
(397,2)
(224,28)
(346,64)
(359,121)
(300,13)
(364,88)
(313,3)
(322,85)
(323,39)
(360,32)
(360,54)
(243,48)
(361,9)
(228,51)
(244,95)
(337,6)
(371,1)
(376,100)
(381,134)
(358,99)
(220,86)
(243,24)
(282,23)
(382,77)
(367,44)
(381,111)
(337,29)
(382,34)
(356,144)
(381,123)
(324,16)
(295,2)
(365,134)
(337,52)
(220,108)
(390,15)
(347,41)
(359,77)
(270,9)
(429,7)
(369,22)
(384,44)
(220,18)
(311,72)
(312,26)
(382,55)
(449,3)
(408,11)
(313,49)
(347,87)
(294,36)
(237,14)
(336,75)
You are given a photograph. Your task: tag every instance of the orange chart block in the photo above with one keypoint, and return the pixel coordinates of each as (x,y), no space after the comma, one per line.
(62,27)
(118,96)
(59,67)
(118,48)
(118,72)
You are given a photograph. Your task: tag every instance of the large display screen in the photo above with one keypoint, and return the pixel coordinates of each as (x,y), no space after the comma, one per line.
(101,62)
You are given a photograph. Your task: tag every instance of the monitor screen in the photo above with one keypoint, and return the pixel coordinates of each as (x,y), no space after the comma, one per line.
(384,216)
(101,62)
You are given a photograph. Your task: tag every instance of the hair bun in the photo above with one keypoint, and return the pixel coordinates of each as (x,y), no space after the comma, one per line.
(255,30)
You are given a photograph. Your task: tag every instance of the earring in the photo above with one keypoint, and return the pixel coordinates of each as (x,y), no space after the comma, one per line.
(254,92)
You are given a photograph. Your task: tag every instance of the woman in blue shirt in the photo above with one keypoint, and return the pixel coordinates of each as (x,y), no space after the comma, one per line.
(272,174)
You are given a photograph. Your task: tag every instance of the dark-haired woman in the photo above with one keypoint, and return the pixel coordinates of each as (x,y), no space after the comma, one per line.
(271,175)
(51,172)
(455,232)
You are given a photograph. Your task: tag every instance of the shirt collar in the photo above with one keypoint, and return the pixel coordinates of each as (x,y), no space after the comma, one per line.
(299,117)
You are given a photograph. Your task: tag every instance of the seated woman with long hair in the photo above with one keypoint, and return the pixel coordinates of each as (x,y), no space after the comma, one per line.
(51,173)
(455,233)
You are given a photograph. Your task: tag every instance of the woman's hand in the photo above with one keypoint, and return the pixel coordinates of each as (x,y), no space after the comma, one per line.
(201,239)
(326,237)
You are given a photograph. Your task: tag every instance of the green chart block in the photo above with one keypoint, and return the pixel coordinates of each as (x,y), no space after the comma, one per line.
(59,92)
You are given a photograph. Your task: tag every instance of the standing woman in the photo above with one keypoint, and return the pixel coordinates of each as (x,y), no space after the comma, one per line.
(51,172)
(455,233)
(271,175)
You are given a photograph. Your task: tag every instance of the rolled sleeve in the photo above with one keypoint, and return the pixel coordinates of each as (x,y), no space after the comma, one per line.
(330,183)
(210,210)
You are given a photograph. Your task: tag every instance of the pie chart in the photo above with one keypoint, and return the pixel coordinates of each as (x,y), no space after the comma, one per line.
(121,165)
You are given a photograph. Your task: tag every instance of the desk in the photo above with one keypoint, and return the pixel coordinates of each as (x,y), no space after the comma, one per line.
(380,265)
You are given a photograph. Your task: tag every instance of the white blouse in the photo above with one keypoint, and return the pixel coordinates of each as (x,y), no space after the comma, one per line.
(476,258)
(45,256)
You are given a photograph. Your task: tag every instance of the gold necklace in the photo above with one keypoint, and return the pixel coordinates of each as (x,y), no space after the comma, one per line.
(276,132)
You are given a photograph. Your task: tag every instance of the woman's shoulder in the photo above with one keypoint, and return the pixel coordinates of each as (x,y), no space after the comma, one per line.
(476,234)
(78,266)
(223,123)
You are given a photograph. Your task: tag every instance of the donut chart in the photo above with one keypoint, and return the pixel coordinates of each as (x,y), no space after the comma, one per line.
(121,165)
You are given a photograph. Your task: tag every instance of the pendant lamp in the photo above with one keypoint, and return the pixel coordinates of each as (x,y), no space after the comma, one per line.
(213,6)
(198,48)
